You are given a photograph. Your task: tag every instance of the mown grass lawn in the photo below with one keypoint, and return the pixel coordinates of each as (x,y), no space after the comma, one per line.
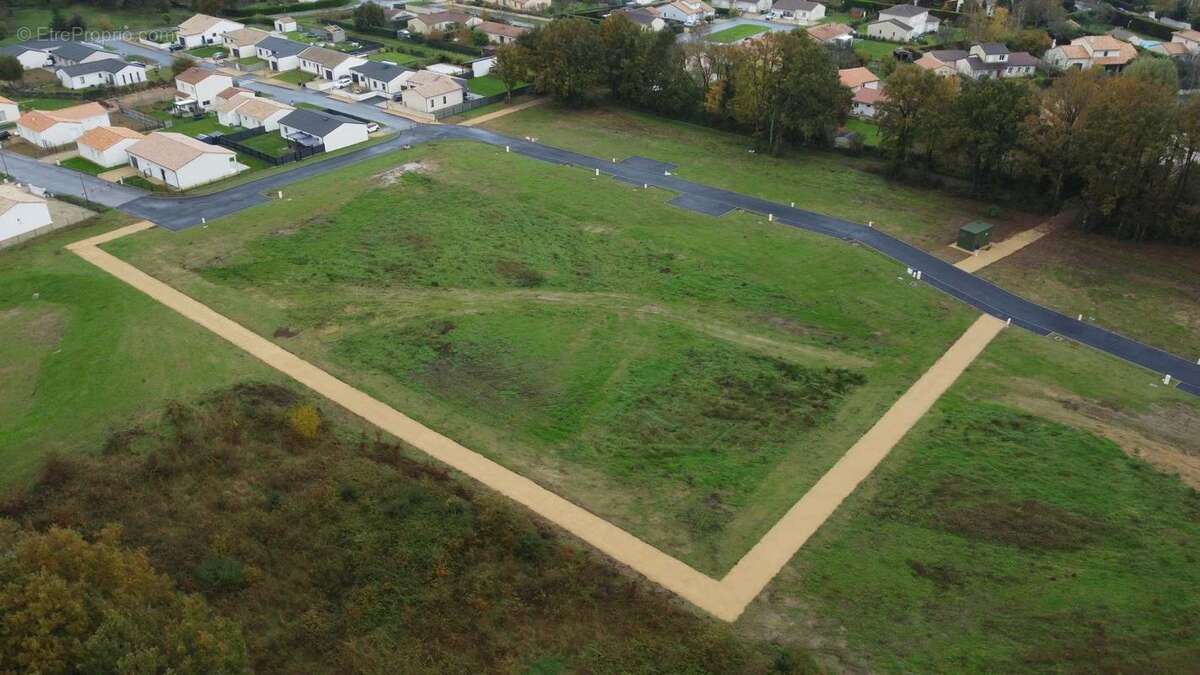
(207,50)
(294,76)
(686,376)
(877,49)
(271,143)
(46,103)
(37,16)
(81,164)
(739,32)
(486,85)
(399,58)
(868,129)
(825,182)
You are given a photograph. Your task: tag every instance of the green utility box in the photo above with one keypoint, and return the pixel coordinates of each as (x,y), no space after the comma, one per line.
(974,236)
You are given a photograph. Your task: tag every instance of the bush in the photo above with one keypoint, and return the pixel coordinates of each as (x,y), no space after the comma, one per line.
(305,422)
(219,574)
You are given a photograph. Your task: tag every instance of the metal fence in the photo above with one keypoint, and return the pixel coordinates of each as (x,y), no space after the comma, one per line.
(233,142)
(149,122)
(473,103)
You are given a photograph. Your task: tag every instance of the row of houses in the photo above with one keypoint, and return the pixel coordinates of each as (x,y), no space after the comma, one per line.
(75,64)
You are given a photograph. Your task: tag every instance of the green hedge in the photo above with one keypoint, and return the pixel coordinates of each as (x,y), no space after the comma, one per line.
(1145,25)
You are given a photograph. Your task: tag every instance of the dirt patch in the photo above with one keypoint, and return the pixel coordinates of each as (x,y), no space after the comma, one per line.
(43,328)
(520,274)
(286,332)
(392,176)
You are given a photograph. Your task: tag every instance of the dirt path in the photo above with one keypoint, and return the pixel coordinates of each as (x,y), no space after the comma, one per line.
(725,599)
(501,113)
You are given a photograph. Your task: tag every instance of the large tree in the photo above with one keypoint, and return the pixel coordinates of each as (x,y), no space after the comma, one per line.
(1050,146)
(911,92)
(988,116)
(369,15)
(512,66)
(568,60)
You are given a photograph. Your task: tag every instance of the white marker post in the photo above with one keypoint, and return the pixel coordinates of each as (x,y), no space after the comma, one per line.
(597,172)
(1080,318)
(1008,322)
(507,149)
(910,271)
(1166,379)
(918,275)
(203,220)
(793,205)
(770,217)
(280,193)
(645,186)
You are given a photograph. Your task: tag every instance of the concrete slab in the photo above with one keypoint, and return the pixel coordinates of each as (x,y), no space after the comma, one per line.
(703,205)
(646,164)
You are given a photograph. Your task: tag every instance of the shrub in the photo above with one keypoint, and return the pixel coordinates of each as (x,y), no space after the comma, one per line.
(305,422)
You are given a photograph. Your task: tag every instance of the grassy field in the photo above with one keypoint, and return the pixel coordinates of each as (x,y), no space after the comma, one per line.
(868,129)
(35,17)
(1019,528)
(141,182)
(876,49)
(829,183)
(740,32)
(294,76)
(188,126)
(271,143)
(1147,291)
(81,164)
(85,354)
(399,58)
(46,103)
(678,373)
(486,85)
(208,50)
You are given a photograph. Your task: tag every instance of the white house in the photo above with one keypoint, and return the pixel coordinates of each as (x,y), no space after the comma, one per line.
(866,101)
(802,12)
(381,76)
(109,72)
(832,34)
(645,17)
(9,112)
(197,88)
(311,128)
(29,57)
(251,112)
(21,212)
(242,43)
(855,79)
(285,24)
(53,128)
(903,23)
(942,62)
(1190,39)
(429,92)
(107,146)
(1092,51)
(327,63)
(202,29)
(686,12)
(745,6)
(992,59)
(500,33)
(280,54)
(181,161)
(439,22)
(73,53)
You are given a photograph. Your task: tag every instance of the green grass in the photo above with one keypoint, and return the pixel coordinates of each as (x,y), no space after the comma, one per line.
(678,373)
(294,76)
(85,353)
(207,50)
(830,183)
(47,103)
(249,61)
(1006,533)
(868,129)
(35,17)
(486,85)
(190,127)
(399,58)
(877,49)
(271,143)
(141,182)
(739,32)
(81,164)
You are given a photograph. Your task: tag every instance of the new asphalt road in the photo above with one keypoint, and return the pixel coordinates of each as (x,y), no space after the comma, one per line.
(177,213)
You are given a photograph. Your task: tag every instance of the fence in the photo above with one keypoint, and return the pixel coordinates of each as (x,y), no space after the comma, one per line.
(147,121)
(471,104)
(233,142)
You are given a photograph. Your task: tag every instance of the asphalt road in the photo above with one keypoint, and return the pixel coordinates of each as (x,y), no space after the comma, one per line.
(62,181)
(177,213)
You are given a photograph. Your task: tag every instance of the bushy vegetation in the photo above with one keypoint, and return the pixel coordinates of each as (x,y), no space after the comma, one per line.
(335,553)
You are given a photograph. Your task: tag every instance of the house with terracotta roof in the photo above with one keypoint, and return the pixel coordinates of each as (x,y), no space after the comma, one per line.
(428,92)
(106,146)
(687,12)
(197,88)
(832,34)
(328,63)
(439,22)
(242,43)
(251,112)
(54,128)
(202,29)
(1092,51)
(866,101)
(21,212)
(180,161)
(1172,49)
(501,33)
(943,62)
(992,59)
(802,12)
(9,111)
(903,23)
(646,18)
(858,78)
(1190,39)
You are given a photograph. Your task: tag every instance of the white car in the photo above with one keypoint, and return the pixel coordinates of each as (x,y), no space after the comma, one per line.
(344,81)
(372,127)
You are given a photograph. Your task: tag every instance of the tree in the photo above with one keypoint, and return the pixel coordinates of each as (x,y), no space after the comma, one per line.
(512,66)
(11,69)
(68,605)
(181,63)
(910,91)
(58,23)
(1035,42)
(984,28)
(210,7)
(369,15)
(989,114)
(568,60)
(622,40)
(1051,133)
(1155,69)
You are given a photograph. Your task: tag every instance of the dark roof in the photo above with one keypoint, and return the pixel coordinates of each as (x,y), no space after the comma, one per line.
(101,66)
(976,227)
(908,11)
(1022,59)
(897,23)
(313,122)
(17,50)
(794,5)
(947,55)
(642,17)
(281,47)
(377,70)
(73,51)
(993,48)
(43,45)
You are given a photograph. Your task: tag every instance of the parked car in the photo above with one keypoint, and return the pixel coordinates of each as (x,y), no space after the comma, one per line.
(175,46)
(344,81)
(372,127)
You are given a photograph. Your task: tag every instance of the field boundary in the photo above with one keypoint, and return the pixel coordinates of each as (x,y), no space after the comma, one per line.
(725,599)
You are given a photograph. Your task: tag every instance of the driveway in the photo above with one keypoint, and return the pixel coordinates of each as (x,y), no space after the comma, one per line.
(62,181)
(126,49)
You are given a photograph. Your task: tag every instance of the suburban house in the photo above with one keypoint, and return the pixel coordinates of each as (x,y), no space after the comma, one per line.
(197,88)
(203,29)
(500,33)
(943,62)
(311,128)
(285,24)
(429,92)
(251,112)
(75,53)
(53,128)
(865,102)
(106,146)
(482,66)
(225,96)
(21,212)
(280,54)
(241,43)
(858,78)
(832,34)
(380,76)
(1190,39)
(686,12)
(1171,49)
(992,59)
(109,72)
(332,33)
(522,5)
(327,63)
(745,6)
(903,23)
(9,111)
(29,57)
(645,17)
(803,12)
(1092,51)
(439,22)
(181,161)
